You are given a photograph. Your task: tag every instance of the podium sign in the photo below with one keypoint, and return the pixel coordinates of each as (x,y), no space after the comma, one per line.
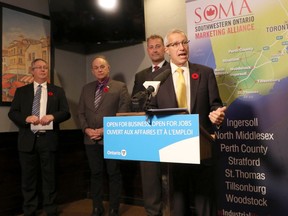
(171,138)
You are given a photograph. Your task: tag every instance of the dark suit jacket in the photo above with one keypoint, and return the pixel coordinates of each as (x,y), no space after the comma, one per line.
(21,107)
(141,77)
(116,99)
(204,93)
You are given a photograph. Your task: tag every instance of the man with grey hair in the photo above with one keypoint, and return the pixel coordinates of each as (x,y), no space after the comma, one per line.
(194,87)
(100,98)
(38,109)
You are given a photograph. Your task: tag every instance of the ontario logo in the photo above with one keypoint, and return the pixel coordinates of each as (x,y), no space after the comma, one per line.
(213,12)
(123,152)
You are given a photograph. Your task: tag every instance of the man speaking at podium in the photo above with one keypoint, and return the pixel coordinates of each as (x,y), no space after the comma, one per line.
(194,87)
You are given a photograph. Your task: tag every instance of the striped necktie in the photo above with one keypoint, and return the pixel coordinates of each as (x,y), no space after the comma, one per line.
(98,95)
(181,89)
(36,103)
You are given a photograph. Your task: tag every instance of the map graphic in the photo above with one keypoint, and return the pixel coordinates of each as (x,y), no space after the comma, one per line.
(246,43)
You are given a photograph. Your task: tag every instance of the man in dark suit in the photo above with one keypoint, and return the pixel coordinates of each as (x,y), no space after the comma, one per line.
(201,96)
(151,171)
(37,148)
(100,98)
(156,53)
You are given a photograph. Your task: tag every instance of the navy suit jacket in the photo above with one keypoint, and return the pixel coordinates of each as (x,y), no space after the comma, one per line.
(203,90)
(21,108)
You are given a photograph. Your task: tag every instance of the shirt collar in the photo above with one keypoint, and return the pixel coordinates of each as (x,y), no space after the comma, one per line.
(103,83)
(159,65)
(42,84)
(174,67)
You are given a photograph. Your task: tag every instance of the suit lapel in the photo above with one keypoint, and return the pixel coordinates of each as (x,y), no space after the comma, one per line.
(90,93)
(194,83)
(30,95)
(170,92)
(49,89)
(104,93)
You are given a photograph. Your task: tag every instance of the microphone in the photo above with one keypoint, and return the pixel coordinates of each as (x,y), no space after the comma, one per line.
(162,76)
(141,100)
(151,87)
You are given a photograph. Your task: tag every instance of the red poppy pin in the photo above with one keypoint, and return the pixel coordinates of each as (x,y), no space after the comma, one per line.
(106,89)
(195,76)
(50,93)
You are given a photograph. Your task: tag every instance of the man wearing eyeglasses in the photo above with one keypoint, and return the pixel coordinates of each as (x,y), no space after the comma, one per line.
(38,109)
(194,87)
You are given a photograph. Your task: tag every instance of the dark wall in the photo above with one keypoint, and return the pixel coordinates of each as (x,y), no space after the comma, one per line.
(10,191)
(73,173)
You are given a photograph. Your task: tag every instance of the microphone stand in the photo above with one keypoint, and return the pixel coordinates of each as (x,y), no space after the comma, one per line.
(148,92)
(147,101)
(138,101)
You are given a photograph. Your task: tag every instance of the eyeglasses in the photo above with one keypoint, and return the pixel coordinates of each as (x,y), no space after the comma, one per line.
(177,44)
(41,67)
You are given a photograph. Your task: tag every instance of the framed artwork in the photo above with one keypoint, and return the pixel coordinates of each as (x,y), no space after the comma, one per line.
(25,37)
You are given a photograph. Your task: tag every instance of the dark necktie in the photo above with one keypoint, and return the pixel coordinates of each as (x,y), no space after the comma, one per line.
(36,103)
(156,67)
(98,95)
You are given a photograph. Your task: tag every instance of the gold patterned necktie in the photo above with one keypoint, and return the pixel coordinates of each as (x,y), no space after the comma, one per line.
(181,89)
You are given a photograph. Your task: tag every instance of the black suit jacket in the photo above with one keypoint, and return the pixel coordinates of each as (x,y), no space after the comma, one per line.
(21,107)
(141,77)
(203,90)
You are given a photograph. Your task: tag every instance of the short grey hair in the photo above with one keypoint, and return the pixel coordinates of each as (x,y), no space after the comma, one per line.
(101,57)
(166,42)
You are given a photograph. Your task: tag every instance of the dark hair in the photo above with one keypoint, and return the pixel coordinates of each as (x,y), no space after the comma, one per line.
(155,36)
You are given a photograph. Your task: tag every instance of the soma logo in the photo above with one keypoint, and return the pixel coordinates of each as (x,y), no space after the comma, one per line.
(222,10)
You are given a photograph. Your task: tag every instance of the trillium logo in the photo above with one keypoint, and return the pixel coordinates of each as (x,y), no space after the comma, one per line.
(123,152)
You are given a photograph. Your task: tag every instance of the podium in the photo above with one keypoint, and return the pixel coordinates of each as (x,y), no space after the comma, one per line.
(206,141)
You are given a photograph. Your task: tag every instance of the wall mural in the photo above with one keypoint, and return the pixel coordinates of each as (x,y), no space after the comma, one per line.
(25,36)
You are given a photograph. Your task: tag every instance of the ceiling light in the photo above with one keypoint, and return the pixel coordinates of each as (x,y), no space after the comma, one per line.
(109,5)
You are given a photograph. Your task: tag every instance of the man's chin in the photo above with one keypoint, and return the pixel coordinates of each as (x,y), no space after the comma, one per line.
(183,60)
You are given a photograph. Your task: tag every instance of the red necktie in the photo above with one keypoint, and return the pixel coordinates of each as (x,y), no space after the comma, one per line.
(156,67)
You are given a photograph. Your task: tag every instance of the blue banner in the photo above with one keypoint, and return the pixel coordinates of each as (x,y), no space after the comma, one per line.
(173,138)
